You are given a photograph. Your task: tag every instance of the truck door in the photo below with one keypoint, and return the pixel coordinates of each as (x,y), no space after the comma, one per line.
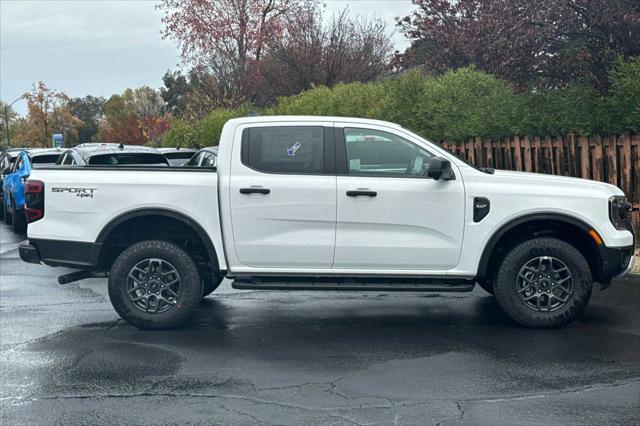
(283,195)
(390,215)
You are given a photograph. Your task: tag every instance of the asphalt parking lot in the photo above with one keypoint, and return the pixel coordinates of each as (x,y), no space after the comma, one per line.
(309,358)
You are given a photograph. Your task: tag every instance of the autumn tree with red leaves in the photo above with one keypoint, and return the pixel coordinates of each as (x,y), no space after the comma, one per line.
(549,43)
(226,38)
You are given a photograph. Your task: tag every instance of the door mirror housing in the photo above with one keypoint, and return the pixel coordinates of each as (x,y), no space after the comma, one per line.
(440,168)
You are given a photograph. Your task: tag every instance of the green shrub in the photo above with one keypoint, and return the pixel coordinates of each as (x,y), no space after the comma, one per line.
(205,132)
(625,88)
(454,106)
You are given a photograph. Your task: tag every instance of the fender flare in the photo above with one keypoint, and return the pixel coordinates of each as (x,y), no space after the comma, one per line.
(491,244)
(191,223)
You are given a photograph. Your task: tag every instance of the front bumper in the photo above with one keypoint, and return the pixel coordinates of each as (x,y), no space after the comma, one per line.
(617,261)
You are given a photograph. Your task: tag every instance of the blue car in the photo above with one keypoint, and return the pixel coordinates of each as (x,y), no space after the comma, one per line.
(15,178)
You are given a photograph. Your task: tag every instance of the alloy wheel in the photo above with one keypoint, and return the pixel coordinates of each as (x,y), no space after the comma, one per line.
(544,284)
(154,286)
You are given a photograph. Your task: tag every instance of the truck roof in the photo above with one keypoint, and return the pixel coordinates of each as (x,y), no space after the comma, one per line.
(35,152)
(88,150)
(318,118)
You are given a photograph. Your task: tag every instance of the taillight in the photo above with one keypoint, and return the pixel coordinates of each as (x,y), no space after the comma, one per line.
(34,203)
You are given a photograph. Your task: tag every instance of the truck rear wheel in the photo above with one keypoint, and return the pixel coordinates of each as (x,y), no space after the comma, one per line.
(19,220)
(7,215)
(154,285)
(543,283)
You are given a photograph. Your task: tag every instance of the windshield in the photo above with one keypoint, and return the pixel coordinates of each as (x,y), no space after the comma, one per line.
(459,157)
(128,159)
(44,160)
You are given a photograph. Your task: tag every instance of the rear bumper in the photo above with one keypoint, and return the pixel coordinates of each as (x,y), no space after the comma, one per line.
(73,254)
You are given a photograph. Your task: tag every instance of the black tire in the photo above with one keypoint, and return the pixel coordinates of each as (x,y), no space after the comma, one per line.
(19,222)
(508,282)
(211,284)
(487,285)
(7,216)
(190,285)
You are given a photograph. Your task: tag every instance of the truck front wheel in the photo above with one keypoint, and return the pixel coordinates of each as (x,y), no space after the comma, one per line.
(543,283)
(154,285)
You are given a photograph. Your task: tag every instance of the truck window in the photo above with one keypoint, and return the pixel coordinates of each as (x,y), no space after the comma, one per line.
(128,159)
(290,150)
(44,160)
(195,160)
(178,158)
(376,153)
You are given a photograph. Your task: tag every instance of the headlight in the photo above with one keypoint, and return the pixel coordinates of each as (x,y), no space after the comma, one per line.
(619,209)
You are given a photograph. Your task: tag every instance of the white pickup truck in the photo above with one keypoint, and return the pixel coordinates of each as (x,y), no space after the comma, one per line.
(329,203)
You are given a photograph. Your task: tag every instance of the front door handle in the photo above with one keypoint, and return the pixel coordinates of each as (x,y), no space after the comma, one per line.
(256,190)
(362,193)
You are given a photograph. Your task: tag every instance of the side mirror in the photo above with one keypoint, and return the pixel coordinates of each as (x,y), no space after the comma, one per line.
(440,168)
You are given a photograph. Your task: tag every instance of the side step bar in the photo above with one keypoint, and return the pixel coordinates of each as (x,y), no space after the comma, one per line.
(353,284)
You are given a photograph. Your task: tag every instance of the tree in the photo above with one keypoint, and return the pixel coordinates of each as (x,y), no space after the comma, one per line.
(48,113)
(175,92)
(7,120)
(137,117)
(544,42)
(348,49)
(90,110)
(227,37)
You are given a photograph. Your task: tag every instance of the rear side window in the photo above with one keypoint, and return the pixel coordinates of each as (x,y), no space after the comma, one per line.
(125,159)
(290,150)
(44,160)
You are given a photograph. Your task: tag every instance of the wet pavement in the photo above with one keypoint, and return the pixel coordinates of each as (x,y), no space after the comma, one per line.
(309,358)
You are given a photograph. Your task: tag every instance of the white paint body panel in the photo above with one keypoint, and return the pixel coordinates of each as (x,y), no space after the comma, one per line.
(421,227)
(71,218)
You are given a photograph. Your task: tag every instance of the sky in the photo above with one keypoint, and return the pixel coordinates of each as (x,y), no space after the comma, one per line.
(90,47)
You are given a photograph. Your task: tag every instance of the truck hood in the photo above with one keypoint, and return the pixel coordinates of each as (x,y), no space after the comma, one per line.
(564,181)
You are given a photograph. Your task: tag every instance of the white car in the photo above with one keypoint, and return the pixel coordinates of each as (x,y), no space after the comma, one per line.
(329,203)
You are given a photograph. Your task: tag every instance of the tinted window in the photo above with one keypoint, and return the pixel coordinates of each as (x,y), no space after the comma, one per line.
(68,160)
(284,149)
(209,160)
(372,152)
(44,160)
(178,158)
(128,159)
(178,155)
(195,160)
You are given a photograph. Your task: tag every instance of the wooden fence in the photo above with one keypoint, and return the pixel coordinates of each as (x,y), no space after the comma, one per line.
(612,159)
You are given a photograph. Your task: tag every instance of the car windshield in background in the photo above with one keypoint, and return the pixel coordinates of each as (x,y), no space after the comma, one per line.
(44,160)
(128,159)
(178,158)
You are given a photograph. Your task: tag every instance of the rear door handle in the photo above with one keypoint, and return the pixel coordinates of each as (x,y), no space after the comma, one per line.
(361,193)
(263,191)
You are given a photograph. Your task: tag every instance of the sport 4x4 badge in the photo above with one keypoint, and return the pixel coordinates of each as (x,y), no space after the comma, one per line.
(79,192)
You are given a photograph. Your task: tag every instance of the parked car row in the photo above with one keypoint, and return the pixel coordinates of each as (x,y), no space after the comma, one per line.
(16,165)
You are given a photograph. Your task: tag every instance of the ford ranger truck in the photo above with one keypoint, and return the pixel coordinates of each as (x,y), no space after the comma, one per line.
(329,203)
